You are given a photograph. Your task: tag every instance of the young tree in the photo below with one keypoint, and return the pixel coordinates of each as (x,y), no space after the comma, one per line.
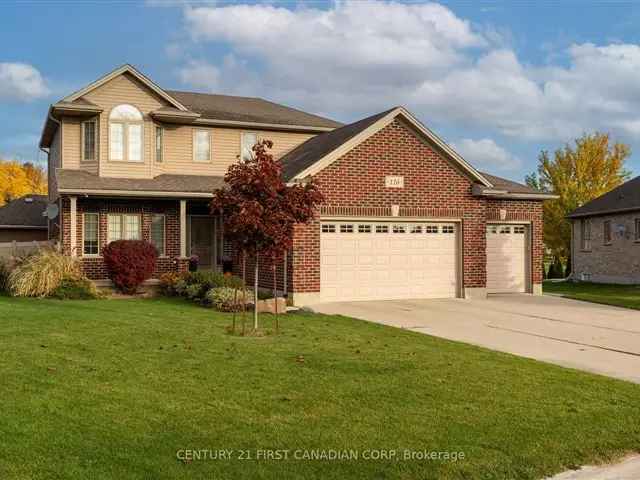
(259,209)
(577,174)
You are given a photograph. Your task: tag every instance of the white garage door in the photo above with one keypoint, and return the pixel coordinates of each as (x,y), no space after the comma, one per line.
(383,260)
(506,258)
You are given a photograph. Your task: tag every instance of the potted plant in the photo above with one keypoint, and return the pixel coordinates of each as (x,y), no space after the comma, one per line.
(193,263)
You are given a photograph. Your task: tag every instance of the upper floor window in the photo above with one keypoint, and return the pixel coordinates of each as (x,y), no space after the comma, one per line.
(89,140)
(202,146)
(125,134)
(585,234)
(159,144)
(607,231)
(637,232)
(249,139)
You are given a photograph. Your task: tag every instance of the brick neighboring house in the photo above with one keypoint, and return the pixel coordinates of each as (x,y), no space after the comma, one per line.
(605,237)
(22,220)
(405,216)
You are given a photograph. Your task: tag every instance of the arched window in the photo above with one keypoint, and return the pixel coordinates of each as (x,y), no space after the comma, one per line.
(125,134)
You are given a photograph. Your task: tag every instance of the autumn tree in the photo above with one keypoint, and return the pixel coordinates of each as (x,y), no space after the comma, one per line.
(578,174)
(19,179)
(260,210)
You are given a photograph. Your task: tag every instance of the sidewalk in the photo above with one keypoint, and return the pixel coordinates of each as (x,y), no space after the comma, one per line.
(627,469)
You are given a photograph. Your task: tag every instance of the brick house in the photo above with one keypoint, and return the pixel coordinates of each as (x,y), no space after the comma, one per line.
(405,216)
(605,237)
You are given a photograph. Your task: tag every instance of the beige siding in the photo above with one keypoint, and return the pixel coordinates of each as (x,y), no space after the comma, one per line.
(178,147)
(72,146)
(53,163)
(225,143)
(126,89)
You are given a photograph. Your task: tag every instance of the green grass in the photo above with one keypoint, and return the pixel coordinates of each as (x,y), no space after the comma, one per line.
(112,389)
(621,295)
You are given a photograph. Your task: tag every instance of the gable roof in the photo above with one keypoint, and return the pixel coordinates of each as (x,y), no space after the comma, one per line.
(254,110)
(319,152)
(126,68)
(24,212)
(623,198)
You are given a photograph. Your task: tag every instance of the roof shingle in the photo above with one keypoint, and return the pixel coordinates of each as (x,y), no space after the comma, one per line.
(25,211)
(248,109)
(626,197)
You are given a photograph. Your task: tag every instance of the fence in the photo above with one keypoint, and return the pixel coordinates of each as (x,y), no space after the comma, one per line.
(20,249)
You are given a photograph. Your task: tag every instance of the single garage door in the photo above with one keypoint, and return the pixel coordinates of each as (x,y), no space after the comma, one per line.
(506,258)
(384,260)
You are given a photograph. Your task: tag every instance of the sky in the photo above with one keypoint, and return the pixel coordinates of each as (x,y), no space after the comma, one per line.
(499,81)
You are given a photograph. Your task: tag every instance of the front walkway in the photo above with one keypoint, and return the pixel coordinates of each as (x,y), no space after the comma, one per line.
(587,336)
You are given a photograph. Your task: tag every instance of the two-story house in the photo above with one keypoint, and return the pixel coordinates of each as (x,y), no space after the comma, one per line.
(405,216)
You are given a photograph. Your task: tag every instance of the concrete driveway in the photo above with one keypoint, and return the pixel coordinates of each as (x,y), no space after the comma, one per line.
(581,335)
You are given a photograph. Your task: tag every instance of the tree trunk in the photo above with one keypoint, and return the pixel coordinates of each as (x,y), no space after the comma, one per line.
(244,290)
(255,295)
(275,293)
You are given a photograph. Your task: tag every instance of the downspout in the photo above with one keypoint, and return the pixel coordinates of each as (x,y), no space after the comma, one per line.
(48,152)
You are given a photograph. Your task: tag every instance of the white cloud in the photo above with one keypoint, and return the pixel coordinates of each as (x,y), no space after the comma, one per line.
(20,81)
(360,57)
(486,154)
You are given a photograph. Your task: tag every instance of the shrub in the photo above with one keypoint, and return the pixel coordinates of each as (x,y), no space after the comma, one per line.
(194,291)
(180,287)
(226,299)
(76,288)
(129,263)
(168,282)
(5,270)
(41,273)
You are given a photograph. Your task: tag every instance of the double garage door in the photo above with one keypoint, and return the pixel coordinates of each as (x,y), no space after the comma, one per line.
(384,260)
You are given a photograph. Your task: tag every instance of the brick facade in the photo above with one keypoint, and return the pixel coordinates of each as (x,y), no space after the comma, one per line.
(93,266)
(617,261)
(433,188)
(354,185)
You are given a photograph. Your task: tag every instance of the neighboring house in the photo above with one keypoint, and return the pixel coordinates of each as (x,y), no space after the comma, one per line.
(605,238)
(22,219)
(405,216)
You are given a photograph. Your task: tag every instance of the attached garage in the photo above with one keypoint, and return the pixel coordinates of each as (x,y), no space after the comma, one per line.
(507,258)
(385,260)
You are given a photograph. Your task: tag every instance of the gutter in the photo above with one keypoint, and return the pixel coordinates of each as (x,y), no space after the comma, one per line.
(494,193)
(602,212)
(24,227)
(134,193)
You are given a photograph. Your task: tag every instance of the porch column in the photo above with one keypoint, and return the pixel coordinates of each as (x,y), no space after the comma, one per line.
(73,223)
(183,228)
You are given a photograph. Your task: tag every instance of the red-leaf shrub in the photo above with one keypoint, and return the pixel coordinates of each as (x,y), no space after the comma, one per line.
(129,263)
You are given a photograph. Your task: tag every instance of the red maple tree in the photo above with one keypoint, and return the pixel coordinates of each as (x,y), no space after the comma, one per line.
(259,209)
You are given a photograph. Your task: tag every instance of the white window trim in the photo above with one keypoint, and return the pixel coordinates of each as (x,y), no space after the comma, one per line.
(155,146)
(125,138)
(194,149)
(95,140)
(83,234)
(162,253)
(247,132)
(122,225)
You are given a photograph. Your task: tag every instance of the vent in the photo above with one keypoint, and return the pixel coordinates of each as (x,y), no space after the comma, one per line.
(28,200)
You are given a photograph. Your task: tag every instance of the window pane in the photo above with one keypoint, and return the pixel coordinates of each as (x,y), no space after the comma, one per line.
(126,113)
(159,139)
(202,146)
(132,227)
(116,136)
(135,143)
(248,141)
(89,140)
(157,232)
(91,228)
(114,231)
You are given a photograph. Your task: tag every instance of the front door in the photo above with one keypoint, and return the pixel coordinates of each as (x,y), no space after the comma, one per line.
(202,243)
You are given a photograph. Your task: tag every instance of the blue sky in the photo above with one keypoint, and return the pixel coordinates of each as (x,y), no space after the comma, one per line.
(499,81)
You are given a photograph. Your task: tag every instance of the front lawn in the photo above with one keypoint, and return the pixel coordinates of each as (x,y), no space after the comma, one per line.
(117,389)
(620,295)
